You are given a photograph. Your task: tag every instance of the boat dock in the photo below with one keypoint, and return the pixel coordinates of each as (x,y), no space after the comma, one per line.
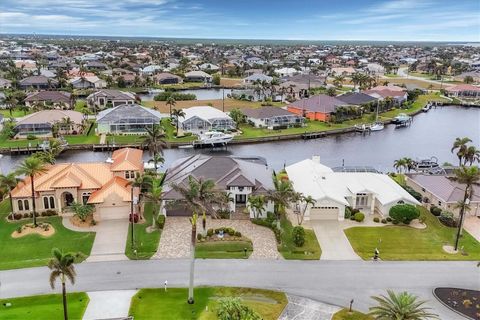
(313,135)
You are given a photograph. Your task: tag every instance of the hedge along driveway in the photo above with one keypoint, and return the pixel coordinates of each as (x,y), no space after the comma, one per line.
(34,250)
(399,242)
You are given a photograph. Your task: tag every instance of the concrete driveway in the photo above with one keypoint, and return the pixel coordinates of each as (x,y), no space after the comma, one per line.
(333,241)
(110,240)
(472,225)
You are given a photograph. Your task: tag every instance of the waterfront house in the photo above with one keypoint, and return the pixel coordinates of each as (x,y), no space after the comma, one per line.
(257,77)
(198,76)
(127,119)
(318,107)
(5,83)
(357,98)
(370,192)
(440,191)
(397,94)
(37,82)
(105,98)
(273,118)
(166,78)
(201,119)
(88,82)
(52,99)
(464,91)
(40,123)
(105,185)
(239,177)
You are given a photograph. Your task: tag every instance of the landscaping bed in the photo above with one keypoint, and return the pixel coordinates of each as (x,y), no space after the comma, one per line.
(227,245)
(43,229)
(344,314)
(158,304)
(465,302)
(44,307)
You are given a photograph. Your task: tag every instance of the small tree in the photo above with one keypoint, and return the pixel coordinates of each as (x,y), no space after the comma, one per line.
(237,116)
(468,79)
(62,267)
(216,79)
(400,306)
(82,211)
(233,309)
(404,213)
(298,235)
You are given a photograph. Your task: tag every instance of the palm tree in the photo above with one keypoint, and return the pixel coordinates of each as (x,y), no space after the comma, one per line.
(154,142)
(400,164)
(66,123)
(471,155)
(282,195)
(10,102)
(8,182)
(467,176)
(62,267)
(303,202)
(409,163)
(157,158)
(154,195)
(256,203)
(338,80)
(31,167)
(460,144)
(177,114)
(404,306)
(171,103)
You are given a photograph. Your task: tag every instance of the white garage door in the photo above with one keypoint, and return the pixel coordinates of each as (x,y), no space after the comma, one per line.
(324,213)
(110,213)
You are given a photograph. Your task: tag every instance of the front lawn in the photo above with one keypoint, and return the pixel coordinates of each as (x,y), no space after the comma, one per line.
(421,101)
(223,249)
(35,250)
(44,307)
(158,304)
(146,242)
(309,251)
(344,314)
(397,242)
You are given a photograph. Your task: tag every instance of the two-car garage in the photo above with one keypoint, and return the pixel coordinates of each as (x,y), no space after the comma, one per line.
(324,213)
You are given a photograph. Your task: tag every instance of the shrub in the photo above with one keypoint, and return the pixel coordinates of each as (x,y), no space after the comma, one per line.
(17,216)
(413,193)
(199,236)
(238,234)
(352,217)
(376,219)
(384,221)
(359,216)
(223,214)
(230,308)
(389,219)
(27,215)
(436,211)
(19,229)
(348,212)
(178,96)
(160,221)
(270,223)
(298,235)
(230,231)
(447,218)
(395,222)
(210,232)
(404,213)
(31,137)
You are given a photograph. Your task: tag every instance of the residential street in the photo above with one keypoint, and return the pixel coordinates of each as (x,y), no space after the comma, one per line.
(334,282)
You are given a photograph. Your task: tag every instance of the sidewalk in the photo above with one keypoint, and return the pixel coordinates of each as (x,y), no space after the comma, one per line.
(108,304)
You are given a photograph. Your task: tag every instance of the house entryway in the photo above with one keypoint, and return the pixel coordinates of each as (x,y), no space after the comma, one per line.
(67,199)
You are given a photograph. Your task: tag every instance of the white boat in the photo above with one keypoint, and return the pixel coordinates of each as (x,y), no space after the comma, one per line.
(427,107)
(213,138)
(426,164)
(377,126)
(401,118)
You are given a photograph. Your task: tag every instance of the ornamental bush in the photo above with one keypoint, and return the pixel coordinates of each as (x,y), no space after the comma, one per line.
(404,213)
(210,232)
(413,193)
(376,219)
(298,235)
(359,216)
(448,219)
(436,211)
(161,221)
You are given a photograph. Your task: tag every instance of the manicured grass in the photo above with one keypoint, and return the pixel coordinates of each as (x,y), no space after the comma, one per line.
(158,304)
(405,243)
(44,307)
(35,250)
(399,178)
(421,101)
(309,251)
(146,242)
(16,113)
(344,314)
(223,249)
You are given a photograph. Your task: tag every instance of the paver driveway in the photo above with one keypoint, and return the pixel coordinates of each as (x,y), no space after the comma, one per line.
(175,240)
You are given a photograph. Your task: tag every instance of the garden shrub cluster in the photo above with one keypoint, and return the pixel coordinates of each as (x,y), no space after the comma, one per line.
(160,221)
(359,216)
(226,231)
(436,211)
(270,223)
(298,235)
(448,219)
(404,213)
(413,193)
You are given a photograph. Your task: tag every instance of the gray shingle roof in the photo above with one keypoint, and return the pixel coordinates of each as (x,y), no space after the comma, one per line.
(266,112)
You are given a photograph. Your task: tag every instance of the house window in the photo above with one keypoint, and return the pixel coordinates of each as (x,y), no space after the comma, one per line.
(45,203)
(85,197)
(361,199)
(20,205)
(26,204)
(240,188)
(52,203)
(127,174)
(439,203)
(49,202)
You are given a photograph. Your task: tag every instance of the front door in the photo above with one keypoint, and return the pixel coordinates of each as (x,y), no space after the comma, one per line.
(240,198)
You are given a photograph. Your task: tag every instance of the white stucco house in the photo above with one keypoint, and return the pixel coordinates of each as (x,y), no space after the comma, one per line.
(201,119)
(371,193)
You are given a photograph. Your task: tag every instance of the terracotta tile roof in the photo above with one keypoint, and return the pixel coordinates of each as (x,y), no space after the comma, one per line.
(116,185)
(463,87)
(127,159)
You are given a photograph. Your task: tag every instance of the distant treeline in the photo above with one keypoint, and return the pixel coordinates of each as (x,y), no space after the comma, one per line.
(177,96)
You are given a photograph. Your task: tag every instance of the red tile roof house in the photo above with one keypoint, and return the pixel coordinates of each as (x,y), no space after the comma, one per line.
(105,185)
(318,107)
(464,91)
(398,94)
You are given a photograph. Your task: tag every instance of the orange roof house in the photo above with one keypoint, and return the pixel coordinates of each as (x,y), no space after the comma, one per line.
(104,185)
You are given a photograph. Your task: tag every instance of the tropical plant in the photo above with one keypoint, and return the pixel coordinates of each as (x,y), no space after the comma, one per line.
(230,308)
(298,236)
(62,266)
(302,202)
(10,102)
(401,306)
(282,195)
(460,145)
(7,183)
(154,142)
(154,195)
(472,154)
(170,103)
(177,114)
(256,203)
(400,164)
(32,167)
(82,211)
(237,116)
(404,213)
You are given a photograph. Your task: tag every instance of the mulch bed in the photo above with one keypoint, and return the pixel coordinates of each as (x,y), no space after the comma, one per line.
(463,301)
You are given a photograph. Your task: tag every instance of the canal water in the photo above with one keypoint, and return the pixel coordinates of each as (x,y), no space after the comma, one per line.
(431,134)
(201,94)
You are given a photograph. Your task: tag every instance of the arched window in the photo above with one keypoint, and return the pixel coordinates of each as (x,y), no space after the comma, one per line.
(20,205)
(52,203)
(45,202)
(26,204)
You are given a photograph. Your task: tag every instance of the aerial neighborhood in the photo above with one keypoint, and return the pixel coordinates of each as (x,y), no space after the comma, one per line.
(184,152)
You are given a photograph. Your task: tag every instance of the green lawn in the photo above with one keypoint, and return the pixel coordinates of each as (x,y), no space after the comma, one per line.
(158,304)
(35,250)
(16,113)
(309,251)
(421,101)
(400,179)
(44,307)
(344,314)
(223,249)
(146,243)
(406,243)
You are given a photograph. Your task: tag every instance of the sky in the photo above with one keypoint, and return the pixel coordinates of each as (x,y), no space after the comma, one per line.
(392,20)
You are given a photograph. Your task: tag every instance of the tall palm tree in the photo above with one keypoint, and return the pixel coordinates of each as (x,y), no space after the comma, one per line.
(256,203)
(471,155)
(401,306)
(171,103)
(460,145)
(31,167)
(154,142)
(8,182)
(10,102)
(467,176)
(154,195)
(62,267)
(400,164)
(303,202)
(177,114)
(282,195)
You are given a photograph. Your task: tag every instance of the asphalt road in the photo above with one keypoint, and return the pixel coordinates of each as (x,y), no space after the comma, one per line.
(334,282)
